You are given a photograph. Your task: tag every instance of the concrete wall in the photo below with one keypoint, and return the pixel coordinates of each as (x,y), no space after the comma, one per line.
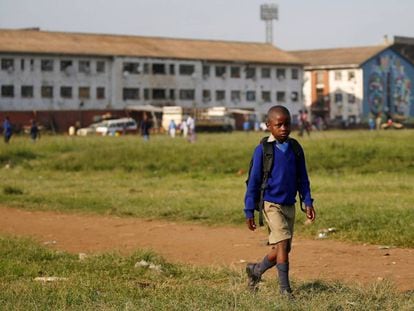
(348,83)
(27,72)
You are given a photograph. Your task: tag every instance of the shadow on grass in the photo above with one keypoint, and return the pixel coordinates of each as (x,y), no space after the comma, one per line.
(320,286)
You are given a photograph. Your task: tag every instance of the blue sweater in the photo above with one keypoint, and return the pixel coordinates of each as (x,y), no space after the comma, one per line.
(282,184)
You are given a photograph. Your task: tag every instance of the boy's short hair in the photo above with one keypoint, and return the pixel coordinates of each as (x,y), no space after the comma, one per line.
(278,108)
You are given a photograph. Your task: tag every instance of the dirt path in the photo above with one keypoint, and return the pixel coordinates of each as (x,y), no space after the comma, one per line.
(201,245)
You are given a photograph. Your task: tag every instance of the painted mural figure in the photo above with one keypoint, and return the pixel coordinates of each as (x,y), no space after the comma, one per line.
(389,89)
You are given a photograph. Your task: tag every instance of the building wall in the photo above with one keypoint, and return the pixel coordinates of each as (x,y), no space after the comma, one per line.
(85,85)
(334,94)
(346,93)
(388,85)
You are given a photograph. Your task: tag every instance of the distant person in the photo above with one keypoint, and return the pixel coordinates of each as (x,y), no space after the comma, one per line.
(299,119)
(34,131)
(246,125)
(371,122)
(378,121)
(172,128)
(304,123)
(145,127)
(191,129)
(287,176)
(7,130)
(184,128)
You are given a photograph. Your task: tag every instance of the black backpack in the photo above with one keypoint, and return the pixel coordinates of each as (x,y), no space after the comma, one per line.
(268,158)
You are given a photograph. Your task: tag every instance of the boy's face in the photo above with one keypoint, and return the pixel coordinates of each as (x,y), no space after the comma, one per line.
(279,125)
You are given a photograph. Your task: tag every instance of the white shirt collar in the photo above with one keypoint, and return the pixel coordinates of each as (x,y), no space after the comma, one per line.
(271,139)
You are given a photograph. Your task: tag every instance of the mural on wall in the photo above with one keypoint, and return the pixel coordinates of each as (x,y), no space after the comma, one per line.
(389,87)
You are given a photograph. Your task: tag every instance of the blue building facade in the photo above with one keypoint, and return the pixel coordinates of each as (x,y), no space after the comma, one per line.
(388,85)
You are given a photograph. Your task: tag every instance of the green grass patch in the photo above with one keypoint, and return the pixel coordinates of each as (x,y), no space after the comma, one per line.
(112,282)
(362,182)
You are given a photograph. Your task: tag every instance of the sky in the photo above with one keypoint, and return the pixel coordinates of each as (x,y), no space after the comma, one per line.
(302,24)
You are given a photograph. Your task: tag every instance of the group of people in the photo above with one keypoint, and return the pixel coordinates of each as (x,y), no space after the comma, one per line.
(187,128)
(8,130)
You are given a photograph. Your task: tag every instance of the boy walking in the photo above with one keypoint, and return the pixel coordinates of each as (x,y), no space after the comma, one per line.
(286,177)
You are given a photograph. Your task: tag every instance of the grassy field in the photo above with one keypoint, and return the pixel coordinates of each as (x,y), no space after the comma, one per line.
(362,182)
(113,282)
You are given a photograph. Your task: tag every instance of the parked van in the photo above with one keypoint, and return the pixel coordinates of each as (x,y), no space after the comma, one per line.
(117,127)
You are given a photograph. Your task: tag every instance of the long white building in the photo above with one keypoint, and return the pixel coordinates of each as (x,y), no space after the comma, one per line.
(63,79)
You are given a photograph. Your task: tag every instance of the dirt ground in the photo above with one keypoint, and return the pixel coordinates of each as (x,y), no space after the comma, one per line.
(219,246)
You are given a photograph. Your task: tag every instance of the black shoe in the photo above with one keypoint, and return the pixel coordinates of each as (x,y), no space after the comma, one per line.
(253,279)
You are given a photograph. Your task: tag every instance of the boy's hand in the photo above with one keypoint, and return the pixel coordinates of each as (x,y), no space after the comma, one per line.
(310,213)
(251,224)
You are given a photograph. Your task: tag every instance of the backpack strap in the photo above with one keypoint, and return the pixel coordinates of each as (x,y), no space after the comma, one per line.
(299,155)
(268,155)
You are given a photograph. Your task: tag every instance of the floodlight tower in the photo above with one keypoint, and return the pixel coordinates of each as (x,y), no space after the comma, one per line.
(268,13)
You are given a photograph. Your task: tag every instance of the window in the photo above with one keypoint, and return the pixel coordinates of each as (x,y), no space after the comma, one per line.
(281,97)
(84,66)
(146,94)
(280,73)
(7,64)
(7,91)
(235,96)
(250,96)
(295,73)
(65,64)
(159,94)
(146,68)
(266,73)
(338,75)
(250,72)
(66,92)
(320,77)
(132,68)
(46,65)
(130,93)
(351,75)
(27,91)
(186,70)
(338,97)
(206,71)
(84,92)
(351,98)
(220,95)
(22,64)
(172,69)
(235,72)
(266,97)
(100,66)
(187,94)
(294,96)
(32,64)
(206,95)
(158,69)
(100,92)
(46,91)
(172,94)
(220,71)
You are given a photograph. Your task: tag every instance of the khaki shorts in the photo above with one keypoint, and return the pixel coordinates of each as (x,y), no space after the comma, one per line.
(280,221)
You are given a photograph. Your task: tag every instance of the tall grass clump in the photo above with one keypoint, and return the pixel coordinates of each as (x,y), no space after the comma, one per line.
(112,282)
